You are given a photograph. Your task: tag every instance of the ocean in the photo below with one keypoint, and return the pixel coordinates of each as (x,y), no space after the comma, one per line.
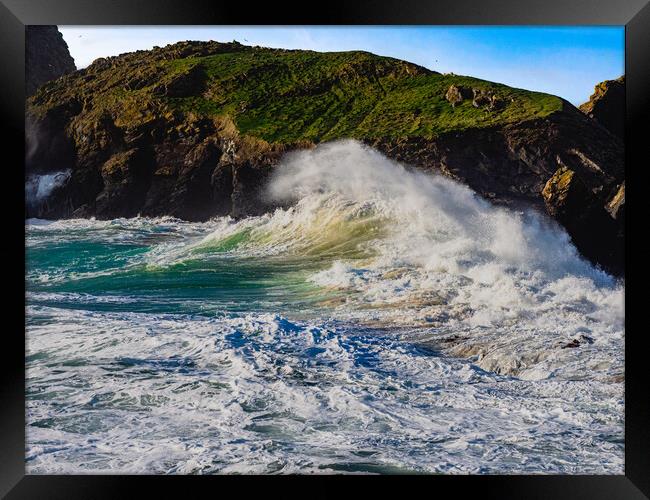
(386,321)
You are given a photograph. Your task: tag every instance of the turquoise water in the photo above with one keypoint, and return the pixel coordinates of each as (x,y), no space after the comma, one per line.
(375,327)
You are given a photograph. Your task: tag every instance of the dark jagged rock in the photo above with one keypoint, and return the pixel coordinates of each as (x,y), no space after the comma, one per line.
(594,231)
(513,162)
(194,130)
(616,205)
(607,106)
(486,99)
(480,98)
(46,57)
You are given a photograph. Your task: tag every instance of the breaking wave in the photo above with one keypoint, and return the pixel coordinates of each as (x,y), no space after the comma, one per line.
(382,313)
(39,187)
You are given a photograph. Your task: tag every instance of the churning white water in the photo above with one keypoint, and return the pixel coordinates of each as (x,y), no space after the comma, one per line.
(389,321)
(39,187)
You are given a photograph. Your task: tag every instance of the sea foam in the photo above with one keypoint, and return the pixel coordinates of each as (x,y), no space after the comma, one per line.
(386,321)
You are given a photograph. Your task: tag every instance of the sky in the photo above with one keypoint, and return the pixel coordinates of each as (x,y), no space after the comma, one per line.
(563,61)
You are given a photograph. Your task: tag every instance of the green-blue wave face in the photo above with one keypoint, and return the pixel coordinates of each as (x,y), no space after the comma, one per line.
(169,266)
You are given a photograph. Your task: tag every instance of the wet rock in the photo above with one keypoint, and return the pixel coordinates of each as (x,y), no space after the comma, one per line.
(126,177)
(594,232)
(573,343)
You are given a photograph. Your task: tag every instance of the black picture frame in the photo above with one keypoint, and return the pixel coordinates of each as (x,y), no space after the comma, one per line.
(15,14)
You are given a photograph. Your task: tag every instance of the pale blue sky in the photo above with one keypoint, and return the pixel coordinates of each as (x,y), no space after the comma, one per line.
(564,61)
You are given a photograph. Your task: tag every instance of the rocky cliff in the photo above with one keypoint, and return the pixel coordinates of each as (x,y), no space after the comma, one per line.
(46,56)
(607,106)
(571,200)
(195,128)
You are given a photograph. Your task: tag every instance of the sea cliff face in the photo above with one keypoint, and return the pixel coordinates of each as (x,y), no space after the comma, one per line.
(194,130)
(607,105)
(46,57)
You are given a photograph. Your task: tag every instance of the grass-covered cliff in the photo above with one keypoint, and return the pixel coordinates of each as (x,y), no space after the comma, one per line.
(288,95)
(194,129)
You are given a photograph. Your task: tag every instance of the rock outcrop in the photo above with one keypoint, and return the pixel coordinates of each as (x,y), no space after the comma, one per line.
(616,205)
(194,130)
(489,100)
(570,201)
(46,56)
(456,94)
(607,106)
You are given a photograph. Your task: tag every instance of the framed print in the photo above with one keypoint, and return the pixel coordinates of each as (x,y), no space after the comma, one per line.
(378,240)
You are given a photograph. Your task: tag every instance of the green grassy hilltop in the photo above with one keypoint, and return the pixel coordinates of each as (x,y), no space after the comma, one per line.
(287,95)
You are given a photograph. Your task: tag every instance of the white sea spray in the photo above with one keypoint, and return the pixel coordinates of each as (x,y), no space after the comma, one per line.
(39,187)
(388,321)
